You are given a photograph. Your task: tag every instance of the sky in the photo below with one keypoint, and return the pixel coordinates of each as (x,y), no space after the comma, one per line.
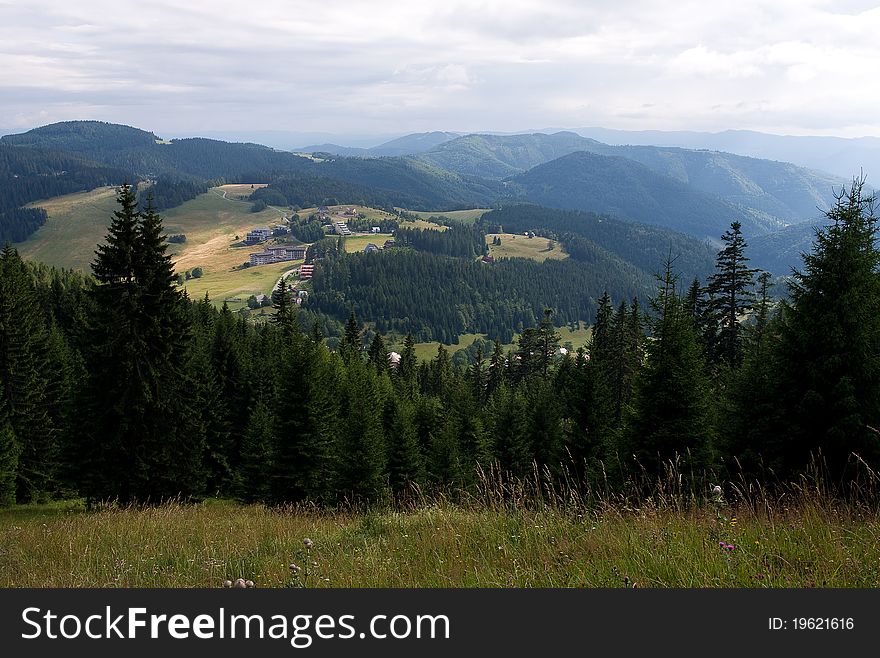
(805,67)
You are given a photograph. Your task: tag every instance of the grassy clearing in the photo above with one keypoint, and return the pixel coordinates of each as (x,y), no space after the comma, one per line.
(804,543)
(76,224)
(460,216)
(579,337)
(520,246)
(424,225)
(355,243)
(240,191)
(427,351)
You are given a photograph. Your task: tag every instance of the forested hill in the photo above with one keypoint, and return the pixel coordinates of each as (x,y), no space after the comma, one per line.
(628,189)
(782,190)
(143,155)
(644,246)
(28,174)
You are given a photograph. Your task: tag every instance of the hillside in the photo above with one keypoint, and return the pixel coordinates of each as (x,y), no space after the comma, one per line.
(784,191)
(405,145)
(628,189)
(642,245)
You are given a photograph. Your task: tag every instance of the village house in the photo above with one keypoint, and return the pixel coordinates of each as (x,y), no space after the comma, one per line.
(370,248)
(306,271)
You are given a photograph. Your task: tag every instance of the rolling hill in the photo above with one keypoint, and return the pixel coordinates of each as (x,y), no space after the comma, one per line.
(777,190)
(628,189)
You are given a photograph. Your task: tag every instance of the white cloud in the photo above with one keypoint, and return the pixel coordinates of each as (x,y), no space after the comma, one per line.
(799,66)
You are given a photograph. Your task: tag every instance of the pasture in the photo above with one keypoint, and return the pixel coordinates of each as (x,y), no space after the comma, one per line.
(460,216)
(520,246)
(76,224)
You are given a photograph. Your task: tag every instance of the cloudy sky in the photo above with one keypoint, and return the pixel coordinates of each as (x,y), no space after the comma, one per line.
(353,66)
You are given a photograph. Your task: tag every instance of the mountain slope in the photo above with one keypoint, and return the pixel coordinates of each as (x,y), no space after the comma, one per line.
(628,189)
(781,190)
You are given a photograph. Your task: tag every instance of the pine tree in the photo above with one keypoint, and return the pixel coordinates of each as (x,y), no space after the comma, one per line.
(828,358)
(377,355)
(141,440)
(672,412)
(9,451)
(731,296)
(406,464)
(256,456)
(27,373)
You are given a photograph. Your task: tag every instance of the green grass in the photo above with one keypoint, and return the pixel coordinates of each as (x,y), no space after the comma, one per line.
(579,337)
(424,225)
(76,224)
(355,243)
(427,351)
(460,216)
(520,246)
(804,542)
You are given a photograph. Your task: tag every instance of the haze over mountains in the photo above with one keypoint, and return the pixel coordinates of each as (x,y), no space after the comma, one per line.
(696,192)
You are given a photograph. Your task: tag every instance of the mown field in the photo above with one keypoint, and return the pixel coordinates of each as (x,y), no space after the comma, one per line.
(521,246)
(461,216)
(802,542)
(76,224)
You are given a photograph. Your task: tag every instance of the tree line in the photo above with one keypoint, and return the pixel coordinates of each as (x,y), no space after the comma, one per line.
(117,386)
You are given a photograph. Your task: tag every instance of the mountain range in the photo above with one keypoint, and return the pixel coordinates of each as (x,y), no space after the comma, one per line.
(697,192)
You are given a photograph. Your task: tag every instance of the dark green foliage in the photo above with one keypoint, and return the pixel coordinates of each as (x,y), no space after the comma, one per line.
(141,439)
(30,395)
(730,297)
(170,192)
(257,458)
(590,238)
(462,241)
(406,463)
(9,451)
(437,298)
(672,413)
(828,350)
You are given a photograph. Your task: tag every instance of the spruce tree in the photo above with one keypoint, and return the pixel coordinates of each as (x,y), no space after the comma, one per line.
(731,296)
(406,464)
(828,357)
(256,456)
(141,439)
(672,416)
(27,374)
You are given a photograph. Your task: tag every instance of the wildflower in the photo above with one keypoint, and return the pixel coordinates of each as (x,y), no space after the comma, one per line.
(239,583)
(308,543)
(227,583)
(730,547)
(294,567)
(721,544)
(716,490)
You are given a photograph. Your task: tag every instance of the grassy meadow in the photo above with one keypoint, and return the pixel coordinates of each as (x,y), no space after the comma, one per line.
(520,246)
(579,337)
(355,243)
(460,216)
(76,224)
(805,541)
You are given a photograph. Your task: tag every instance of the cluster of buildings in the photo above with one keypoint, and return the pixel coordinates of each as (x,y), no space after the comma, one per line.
(341,228)
(258,235)
(278,254)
